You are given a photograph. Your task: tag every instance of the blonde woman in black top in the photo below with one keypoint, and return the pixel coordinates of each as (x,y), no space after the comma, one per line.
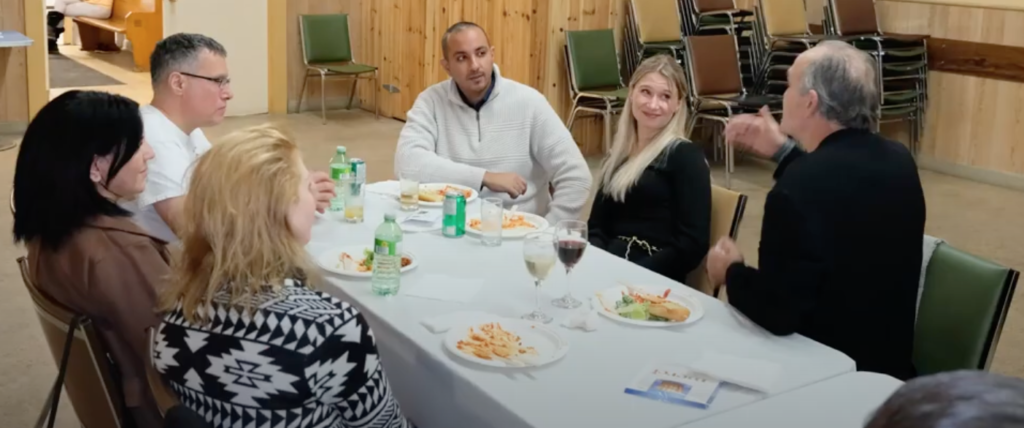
(653,206)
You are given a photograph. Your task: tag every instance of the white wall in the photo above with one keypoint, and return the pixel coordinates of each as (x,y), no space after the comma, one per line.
(239,25)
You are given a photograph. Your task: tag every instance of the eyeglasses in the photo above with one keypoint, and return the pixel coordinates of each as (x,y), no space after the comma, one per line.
(220,81)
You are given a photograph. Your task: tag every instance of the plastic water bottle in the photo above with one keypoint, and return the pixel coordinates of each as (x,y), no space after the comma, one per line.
(387,257)
(340,172)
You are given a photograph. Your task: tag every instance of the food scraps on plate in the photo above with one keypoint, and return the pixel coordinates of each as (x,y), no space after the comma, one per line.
(508,221)
(638,305)
(490,341)
(364,264)
(436,194)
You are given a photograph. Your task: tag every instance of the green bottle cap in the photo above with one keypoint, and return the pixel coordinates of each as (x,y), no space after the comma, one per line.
(341,150)
(389,217)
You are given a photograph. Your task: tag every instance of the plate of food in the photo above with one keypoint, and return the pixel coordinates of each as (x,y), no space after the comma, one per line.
(432,194)
(506,343)
(357,261)
(514,224)
(648,306)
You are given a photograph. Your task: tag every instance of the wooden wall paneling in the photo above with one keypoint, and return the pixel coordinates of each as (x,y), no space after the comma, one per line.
(13,66)
(976,59)
(971,121)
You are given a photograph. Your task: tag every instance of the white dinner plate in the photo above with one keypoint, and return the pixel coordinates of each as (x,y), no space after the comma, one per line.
(438,186)
(548,344)
(519,232)
(604,303)
(330,261)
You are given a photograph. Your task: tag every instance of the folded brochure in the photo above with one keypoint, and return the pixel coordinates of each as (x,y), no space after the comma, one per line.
(674,383)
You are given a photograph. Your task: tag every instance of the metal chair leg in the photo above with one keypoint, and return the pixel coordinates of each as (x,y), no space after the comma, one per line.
(302,94)
(607,131)
(572,118)
(376,89)
(323,98)
(352,93)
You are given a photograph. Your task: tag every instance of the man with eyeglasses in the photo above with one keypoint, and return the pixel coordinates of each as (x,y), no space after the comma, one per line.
(191,89)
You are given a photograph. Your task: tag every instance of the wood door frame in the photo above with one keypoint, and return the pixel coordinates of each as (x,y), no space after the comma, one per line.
(36,64)
(277,56)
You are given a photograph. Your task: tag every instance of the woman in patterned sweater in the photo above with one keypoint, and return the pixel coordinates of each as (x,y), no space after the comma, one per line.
(245,341)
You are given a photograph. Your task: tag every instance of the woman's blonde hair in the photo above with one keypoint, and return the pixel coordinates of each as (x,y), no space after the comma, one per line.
(236,236)
(620,171)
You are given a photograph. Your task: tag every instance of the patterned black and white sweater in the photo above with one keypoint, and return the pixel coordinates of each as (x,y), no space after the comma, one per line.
(302,359)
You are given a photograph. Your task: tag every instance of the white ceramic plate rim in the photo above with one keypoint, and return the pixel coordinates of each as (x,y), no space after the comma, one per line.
(512,325)
(471,197)
(354,250)
(678,296)
(540,222)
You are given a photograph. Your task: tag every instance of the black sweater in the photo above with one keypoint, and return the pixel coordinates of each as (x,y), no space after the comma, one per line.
(840,251)
(669,208)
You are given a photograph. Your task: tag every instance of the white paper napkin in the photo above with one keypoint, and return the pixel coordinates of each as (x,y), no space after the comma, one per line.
(389,188)
(755,374)
(583,318)
(443,287)
(443,323)
(422,221)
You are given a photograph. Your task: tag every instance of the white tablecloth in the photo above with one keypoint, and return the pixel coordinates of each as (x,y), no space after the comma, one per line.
(846,401)
(584,389)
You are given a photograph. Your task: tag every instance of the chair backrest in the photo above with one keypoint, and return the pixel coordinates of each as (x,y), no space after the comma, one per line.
(325,38)
(727,209)
(961,313)
(594,63)
(705,6)
(96,398)
(657,20)
(164,397)
(714,65)
(853,17)
(784,17)
(13,210)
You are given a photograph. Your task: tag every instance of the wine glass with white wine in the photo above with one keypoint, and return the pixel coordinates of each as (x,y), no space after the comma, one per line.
(539,255)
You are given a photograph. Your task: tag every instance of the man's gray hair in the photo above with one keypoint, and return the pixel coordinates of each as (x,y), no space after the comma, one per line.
(959,399)
(845,79)
(180,51)
(458,27)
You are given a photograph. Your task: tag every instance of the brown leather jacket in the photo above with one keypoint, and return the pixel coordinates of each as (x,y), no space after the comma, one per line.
(109,271)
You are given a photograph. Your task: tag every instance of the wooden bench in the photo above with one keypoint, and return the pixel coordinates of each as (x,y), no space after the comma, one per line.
(141,23)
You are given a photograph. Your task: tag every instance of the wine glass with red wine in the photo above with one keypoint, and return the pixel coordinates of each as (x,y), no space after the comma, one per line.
(570,241)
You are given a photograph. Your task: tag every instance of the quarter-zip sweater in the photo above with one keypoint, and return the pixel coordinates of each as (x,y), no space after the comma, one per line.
(447,141)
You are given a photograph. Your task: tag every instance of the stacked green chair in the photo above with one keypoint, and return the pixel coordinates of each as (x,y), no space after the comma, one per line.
(595,84)
(327,52)
(960,316)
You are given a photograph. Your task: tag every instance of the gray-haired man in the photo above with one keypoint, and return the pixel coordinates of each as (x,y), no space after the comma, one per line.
(191,89)
(840,251)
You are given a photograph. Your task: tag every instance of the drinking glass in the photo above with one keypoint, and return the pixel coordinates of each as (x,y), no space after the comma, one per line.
(409,190)
(354,203)
(539,255)
(491,217)
(570,240)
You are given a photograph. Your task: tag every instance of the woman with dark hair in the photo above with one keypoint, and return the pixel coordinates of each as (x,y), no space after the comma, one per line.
(81,155)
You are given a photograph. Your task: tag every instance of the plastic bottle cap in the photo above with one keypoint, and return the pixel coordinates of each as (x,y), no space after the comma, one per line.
(389,217)
(341,149)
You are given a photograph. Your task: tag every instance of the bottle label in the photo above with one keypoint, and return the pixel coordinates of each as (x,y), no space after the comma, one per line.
(340,170)
(383,247)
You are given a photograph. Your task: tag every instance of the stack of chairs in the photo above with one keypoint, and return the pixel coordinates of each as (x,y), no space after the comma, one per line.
(781,34)
(901,62)
(710,17)
(717,92)
(652,27)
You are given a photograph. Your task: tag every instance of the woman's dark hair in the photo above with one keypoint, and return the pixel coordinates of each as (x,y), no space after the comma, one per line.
(53,195)
(959,399)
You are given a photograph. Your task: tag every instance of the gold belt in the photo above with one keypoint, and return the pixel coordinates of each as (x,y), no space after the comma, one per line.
(630,240)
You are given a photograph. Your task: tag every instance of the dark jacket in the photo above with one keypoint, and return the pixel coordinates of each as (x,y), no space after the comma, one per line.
(669,208)
(840,252)
(110,271)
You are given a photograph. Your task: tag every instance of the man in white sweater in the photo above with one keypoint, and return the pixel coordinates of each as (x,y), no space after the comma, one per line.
(483,131)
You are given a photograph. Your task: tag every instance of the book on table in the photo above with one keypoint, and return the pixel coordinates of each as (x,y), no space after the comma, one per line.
(674,383)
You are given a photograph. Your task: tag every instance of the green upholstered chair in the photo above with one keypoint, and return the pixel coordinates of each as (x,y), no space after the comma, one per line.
(327,52)
(961,312)
(595,84)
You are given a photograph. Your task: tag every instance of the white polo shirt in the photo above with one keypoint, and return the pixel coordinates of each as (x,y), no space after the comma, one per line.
(169,171)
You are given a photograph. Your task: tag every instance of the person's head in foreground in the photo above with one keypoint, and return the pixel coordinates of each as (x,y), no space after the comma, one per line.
(961,399)
(831,86)
(653,119)
(82,153)
(468,58)
(248,214)
(190,80)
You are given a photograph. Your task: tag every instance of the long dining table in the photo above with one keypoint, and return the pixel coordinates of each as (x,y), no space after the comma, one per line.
(583,389)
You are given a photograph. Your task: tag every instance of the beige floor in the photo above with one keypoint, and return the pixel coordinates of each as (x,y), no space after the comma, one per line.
(117,65)
(978,218)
